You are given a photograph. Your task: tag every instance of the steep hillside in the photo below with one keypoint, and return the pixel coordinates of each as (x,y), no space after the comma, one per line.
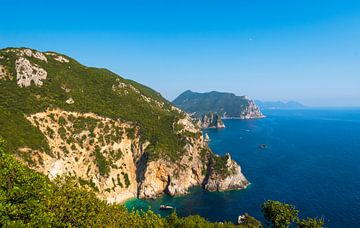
(117,137)
(227,105)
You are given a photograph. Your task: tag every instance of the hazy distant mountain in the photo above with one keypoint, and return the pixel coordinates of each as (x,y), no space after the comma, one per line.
(227,105)
(279,104)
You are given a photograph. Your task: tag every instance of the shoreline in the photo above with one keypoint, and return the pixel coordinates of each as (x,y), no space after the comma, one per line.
(242,118)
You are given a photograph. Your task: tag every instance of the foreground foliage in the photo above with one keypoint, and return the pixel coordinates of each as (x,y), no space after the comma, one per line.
(283,215)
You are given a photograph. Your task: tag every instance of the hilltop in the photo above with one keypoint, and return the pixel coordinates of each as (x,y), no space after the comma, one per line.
(117,137)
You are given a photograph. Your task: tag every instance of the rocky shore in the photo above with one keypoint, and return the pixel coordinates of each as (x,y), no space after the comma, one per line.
(210,120)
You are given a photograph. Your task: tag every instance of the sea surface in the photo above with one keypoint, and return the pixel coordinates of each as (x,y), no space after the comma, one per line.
(312,161)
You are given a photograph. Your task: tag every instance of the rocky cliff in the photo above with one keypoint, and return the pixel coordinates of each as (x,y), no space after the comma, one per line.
(249,111)
(225,174)
(117,137)
(210,120)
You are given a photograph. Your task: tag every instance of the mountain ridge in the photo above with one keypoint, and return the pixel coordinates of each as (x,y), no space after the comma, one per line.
(227,105)
(117,137)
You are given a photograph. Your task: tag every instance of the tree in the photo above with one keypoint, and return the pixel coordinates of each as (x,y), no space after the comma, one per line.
(279,214)
(22,193)
(310,223)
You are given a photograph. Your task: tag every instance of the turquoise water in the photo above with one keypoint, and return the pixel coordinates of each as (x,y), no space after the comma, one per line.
(312,161)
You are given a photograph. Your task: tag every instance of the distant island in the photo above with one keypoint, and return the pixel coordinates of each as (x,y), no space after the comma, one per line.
(225,105)
(279,105)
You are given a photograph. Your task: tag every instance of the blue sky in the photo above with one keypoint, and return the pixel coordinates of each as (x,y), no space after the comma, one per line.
(307,51)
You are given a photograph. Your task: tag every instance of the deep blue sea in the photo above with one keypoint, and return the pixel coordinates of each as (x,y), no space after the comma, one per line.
(312,161)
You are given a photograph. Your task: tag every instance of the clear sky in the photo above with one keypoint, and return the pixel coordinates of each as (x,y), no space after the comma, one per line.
(306,50)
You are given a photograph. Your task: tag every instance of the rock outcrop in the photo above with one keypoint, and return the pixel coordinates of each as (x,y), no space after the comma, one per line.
(207,138)
(4,74)
(198,166)
(210,120)
(95,149)
(27,72)
(57,57)
(26,52)
(250,111)
(225,176)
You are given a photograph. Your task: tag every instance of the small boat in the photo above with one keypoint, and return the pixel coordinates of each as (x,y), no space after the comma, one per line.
(166,207)
(262,146)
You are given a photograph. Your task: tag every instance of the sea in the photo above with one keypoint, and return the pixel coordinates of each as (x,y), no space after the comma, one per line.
(311,160)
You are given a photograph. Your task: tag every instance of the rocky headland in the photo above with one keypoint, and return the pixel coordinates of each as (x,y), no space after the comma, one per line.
(225,105)
(117,137)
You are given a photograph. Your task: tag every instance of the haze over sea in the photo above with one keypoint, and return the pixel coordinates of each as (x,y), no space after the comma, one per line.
(312,161)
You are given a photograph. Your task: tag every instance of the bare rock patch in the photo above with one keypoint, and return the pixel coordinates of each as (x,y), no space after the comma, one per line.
(26,72)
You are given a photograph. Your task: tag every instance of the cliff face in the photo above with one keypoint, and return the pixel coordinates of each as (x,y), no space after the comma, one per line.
(87,151)
(211,120)
(198,166)
(117,137)
(250,111)
(225,176)
(226,105)
(175,179)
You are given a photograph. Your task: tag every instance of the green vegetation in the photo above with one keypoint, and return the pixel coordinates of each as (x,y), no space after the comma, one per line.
(119,181)
(279,214)
(90,183)
(283,215)
(190,134)
(81,123)
(93,90)
(219,165)
(102,163)
(126,177)
(212,102)
(28,198)
(194,221)
(310,223)
(130,133)
(178,127)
